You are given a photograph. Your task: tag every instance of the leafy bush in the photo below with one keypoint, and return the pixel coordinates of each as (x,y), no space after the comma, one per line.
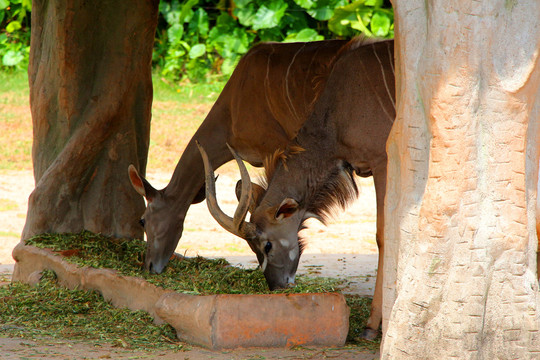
(200,40)
(14,33)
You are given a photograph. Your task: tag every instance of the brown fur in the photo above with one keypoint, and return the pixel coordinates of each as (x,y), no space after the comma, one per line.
(337,191)
(271,162)
(261,108)
(345,133)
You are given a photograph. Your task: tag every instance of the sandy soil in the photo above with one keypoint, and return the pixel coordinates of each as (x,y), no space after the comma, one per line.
(346,249)
(11,349)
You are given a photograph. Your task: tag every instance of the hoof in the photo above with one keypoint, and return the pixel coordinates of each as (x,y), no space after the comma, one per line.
(370,334)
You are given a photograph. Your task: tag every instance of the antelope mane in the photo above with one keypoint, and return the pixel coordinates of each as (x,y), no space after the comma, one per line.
(271,162)
(334,193)
(326,196)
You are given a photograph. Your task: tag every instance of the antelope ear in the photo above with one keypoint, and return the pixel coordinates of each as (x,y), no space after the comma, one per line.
(287,208)
(141,185)
(257,192)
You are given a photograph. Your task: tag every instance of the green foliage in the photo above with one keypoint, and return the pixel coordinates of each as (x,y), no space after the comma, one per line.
(365,16)
(14,33)
(202,40)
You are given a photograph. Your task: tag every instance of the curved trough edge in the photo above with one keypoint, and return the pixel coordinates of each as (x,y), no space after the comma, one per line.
(212,321)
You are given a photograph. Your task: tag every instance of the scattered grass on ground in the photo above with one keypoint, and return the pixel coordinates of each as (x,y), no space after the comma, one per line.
(48,310)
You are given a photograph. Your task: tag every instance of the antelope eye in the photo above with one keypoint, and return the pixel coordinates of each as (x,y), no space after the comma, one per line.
(141,221)
(268,247)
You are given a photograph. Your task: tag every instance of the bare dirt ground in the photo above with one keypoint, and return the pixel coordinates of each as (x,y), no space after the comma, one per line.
(11,349)
(344,249)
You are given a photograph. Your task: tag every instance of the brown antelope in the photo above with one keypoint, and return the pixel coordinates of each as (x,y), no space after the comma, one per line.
(345,134)
(260,109)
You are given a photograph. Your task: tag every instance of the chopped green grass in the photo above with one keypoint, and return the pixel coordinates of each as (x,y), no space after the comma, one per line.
(48,310)
(360,307)
(187,275)
(196,275)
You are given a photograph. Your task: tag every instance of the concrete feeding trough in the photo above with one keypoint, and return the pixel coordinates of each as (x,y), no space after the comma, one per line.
(213,321)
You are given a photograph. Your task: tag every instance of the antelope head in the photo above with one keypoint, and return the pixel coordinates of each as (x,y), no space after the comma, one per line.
(277,215)
(278,251)
(162,226)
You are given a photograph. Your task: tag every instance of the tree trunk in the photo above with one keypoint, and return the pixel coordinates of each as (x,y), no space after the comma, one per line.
(90,97)
(460,265)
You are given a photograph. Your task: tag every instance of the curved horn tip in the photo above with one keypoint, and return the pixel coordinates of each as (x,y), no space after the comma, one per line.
(231,149)
(202,151)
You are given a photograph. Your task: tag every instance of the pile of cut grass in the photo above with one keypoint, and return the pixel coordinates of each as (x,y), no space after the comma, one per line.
(188,275)
(198,275)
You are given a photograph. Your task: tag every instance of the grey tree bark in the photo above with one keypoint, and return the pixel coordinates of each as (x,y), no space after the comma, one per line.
(90,97)
(460,265)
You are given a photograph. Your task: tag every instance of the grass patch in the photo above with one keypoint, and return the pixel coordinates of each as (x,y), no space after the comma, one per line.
(8,205)
(14,81)
(10,234)
(15,121)
(177,111)
(185,92)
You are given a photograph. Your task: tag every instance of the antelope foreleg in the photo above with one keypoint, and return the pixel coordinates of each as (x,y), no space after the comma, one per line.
(375,317)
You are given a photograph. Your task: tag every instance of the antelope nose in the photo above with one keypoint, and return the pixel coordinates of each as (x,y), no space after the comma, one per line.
(156,267)
(290,282)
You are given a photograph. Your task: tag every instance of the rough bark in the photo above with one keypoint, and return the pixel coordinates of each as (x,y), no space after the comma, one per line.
(90,97)
(460,265)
